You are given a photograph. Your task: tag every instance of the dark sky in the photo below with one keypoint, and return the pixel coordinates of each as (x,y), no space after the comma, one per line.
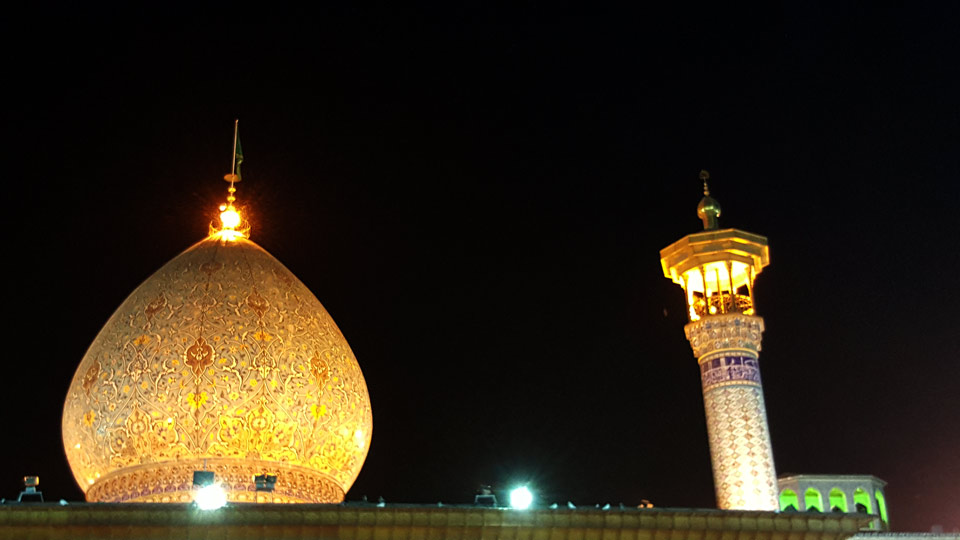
(479,198)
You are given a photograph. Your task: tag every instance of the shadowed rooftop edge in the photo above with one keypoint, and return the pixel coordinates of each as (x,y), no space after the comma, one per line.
(411,522)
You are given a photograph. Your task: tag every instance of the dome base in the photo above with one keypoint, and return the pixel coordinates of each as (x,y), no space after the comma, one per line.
(172,482)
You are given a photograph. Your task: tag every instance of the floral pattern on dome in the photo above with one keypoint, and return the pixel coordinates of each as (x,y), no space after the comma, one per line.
(221,355)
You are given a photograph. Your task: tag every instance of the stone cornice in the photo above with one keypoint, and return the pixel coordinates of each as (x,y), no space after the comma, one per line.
(155,521)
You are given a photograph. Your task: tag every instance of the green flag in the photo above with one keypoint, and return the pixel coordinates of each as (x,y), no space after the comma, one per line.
(239,158)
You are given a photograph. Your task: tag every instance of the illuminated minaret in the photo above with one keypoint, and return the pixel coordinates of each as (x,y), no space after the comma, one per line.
(717,268)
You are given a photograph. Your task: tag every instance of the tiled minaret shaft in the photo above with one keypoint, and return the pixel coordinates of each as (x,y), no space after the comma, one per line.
(717,268)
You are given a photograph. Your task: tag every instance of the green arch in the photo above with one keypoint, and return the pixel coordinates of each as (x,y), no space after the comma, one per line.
(813,500)
(789,498)
(838,500)
(881,505)
(860,496)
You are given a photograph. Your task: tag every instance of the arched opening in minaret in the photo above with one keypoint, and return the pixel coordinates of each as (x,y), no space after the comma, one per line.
(789,502)
(813,500)
(861,500)
(718,287)
(744,300)
(838,500)
(881,506)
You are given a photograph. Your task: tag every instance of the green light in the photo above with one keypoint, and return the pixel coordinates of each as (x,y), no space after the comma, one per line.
(789,500)
(882,506)
(813,500)
(838,499)
(861,497)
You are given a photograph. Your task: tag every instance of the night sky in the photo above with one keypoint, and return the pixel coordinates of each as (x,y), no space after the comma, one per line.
(479,197)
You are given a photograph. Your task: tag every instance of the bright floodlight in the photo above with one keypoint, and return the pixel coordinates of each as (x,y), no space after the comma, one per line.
(521,498)
(211,497)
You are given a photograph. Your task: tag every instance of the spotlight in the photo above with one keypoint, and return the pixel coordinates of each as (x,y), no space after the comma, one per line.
(211,497)
(265,482)
(30,492)
(485,497)
(202,478)
(521,498)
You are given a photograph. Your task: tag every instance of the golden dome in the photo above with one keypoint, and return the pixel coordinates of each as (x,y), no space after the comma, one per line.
(708,208)
(222,360)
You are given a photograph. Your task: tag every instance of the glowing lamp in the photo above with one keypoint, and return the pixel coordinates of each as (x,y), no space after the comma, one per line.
(230,218)
(211,497)
(521,498)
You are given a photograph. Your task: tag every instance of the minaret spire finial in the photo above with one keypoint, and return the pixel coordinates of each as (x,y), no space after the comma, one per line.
(709,209)
(229,215)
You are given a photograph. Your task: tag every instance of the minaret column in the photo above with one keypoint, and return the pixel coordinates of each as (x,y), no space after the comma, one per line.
(727,347)
(716,268)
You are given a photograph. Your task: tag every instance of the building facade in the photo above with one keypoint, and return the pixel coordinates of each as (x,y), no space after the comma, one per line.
(862,494)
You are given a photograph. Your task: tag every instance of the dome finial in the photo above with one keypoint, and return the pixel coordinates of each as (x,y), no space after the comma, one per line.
(709,209)
(230,219)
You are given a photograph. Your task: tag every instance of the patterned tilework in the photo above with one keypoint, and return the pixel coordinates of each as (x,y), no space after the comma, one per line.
(726,331)
(221,357)
(172,482)
(743,469)
(726,369)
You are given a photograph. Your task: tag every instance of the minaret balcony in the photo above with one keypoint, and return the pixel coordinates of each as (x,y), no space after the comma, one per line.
(721,303)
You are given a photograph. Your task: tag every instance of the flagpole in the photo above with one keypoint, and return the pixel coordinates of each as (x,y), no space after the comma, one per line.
(233,164)
(232,177)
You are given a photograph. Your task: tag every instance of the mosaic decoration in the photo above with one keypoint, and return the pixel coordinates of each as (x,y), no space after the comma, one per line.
(726,346)
(173,482)
(743,470)
(724,331)
(222,360)
(721,369)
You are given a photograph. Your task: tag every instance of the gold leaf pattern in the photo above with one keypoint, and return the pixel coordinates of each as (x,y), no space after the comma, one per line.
(258,304)
(155,305)
(198,356)
(209,268)
(90,377)
(208,360)
(320,371)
